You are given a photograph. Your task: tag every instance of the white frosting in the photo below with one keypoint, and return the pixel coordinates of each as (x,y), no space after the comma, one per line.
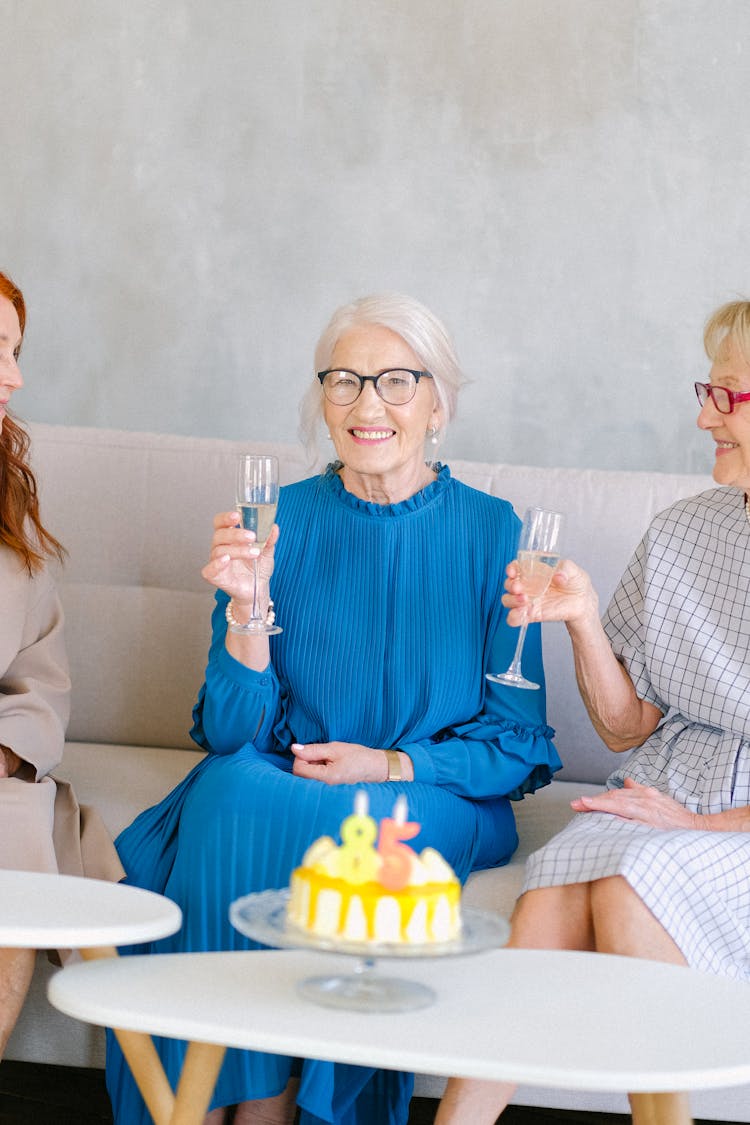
(355,926)
(327,910)
(387,919)
(416,929)
(322,853)
(435,867)
(441,922)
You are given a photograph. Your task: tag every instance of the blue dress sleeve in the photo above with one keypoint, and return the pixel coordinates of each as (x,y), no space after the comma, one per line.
(235,705)
(507,749)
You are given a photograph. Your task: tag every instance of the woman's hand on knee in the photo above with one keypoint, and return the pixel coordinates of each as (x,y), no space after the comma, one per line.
(642,803)
(339,763)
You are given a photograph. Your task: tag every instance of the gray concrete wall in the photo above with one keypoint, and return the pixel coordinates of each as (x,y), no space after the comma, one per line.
(189,188)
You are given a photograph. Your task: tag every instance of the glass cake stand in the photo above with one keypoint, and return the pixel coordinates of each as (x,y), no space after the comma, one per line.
(262,917)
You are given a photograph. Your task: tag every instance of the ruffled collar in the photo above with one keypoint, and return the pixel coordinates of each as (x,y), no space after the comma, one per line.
(422,499)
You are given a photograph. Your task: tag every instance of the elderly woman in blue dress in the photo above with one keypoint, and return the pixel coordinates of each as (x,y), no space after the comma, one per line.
(386,574)
(658,865)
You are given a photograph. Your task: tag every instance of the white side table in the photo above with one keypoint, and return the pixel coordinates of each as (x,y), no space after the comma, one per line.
(573,1020)
(39,911)
(42,911)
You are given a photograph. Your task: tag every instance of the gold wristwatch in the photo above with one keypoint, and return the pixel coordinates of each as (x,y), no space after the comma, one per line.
(394,765)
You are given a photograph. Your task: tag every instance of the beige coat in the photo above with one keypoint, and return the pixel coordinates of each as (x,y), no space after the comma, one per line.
(42,826)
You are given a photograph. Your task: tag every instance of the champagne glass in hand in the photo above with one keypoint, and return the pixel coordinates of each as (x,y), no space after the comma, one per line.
(538,555)
(257,498)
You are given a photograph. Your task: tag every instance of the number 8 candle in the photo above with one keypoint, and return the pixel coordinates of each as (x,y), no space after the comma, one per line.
(358,860)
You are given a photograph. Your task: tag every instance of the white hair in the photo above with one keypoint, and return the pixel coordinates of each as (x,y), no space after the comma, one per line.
(409,319)
(729,321)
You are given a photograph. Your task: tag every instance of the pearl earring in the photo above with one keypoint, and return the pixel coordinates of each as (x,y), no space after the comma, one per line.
(434,435)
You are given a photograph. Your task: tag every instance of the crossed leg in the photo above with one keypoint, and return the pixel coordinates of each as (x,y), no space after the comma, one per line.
(605,916)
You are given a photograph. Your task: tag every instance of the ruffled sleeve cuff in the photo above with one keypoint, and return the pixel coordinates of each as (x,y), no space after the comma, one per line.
(535,750)
(482,760)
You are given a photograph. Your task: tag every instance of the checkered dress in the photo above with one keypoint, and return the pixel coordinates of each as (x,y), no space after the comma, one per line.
(680,622)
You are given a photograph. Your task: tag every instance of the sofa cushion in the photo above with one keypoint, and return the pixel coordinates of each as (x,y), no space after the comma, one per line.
(137,659)
(538,818)
(122,781)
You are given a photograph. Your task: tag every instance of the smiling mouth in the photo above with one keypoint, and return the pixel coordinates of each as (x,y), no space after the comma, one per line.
(372,435)
(726,445)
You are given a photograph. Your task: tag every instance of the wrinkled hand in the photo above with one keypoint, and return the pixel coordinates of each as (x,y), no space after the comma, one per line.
(570,596)
(641,803)
(339,763)
(230,565)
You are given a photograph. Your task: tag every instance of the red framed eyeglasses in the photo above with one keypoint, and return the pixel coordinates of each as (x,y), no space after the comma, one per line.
(723,399)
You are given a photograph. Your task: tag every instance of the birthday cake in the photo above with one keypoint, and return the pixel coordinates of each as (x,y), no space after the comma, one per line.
(374,887)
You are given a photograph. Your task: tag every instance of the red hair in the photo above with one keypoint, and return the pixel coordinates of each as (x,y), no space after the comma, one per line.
(21,526)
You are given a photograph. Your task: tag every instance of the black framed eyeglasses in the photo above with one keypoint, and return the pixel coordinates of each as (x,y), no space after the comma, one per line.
(397,386)
(723,399)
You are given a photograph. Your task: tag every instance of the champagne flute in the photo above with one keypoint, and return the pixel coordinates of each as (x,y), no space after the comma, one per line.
(257,498)
(538,555)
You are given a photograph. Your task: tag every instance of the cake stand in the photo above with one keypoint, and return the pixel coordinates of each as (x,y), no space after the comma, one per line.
(262,917)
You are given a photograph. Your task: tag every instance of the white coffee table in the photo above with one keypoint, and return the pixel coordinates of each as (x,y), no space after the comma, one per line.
(42,911)
(572,1020)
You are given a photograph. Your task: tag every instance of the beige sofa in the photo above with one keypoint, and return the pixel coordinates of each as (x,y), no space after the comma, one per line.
(135,511)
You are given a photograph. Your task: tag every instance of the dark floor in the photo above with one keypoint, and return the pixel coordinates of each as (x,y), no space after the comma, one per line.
(52,1095)
(58,1095)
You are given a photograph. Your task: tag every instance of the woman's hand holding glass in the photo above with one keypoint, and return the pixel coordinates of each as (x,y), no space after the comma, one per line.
(570,597)
(230,566)
(537,557)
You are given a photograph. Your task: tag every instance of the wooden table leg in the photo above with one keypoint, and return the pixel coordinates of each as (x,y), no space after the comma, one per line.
(143,1059)
(199,1073)
(660,1109)
(145,1066)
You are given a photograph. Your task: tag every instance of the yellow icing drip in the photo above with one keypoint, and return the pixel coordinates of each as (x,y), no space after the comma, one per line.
(312,889)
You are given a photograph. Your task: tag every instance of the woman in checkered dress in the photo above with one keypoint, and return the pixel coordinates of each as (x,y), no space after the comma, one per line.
(658,865)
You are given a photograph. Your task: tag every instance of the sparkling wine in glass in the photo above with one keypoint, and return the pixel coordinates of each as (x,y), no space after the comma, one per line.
(257,498)
(538,555)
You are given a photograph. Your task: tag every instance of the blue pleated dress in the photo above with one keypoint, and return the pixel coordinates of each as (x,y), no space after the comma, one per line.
(391,617)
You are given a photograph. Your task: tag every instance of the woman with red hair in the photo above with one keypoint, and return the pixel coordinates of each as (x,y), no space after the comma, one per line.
(42,827)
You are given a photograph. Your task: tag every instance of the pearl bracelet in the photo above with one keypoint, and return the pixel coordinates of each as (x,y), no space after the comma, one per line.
(233,623)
